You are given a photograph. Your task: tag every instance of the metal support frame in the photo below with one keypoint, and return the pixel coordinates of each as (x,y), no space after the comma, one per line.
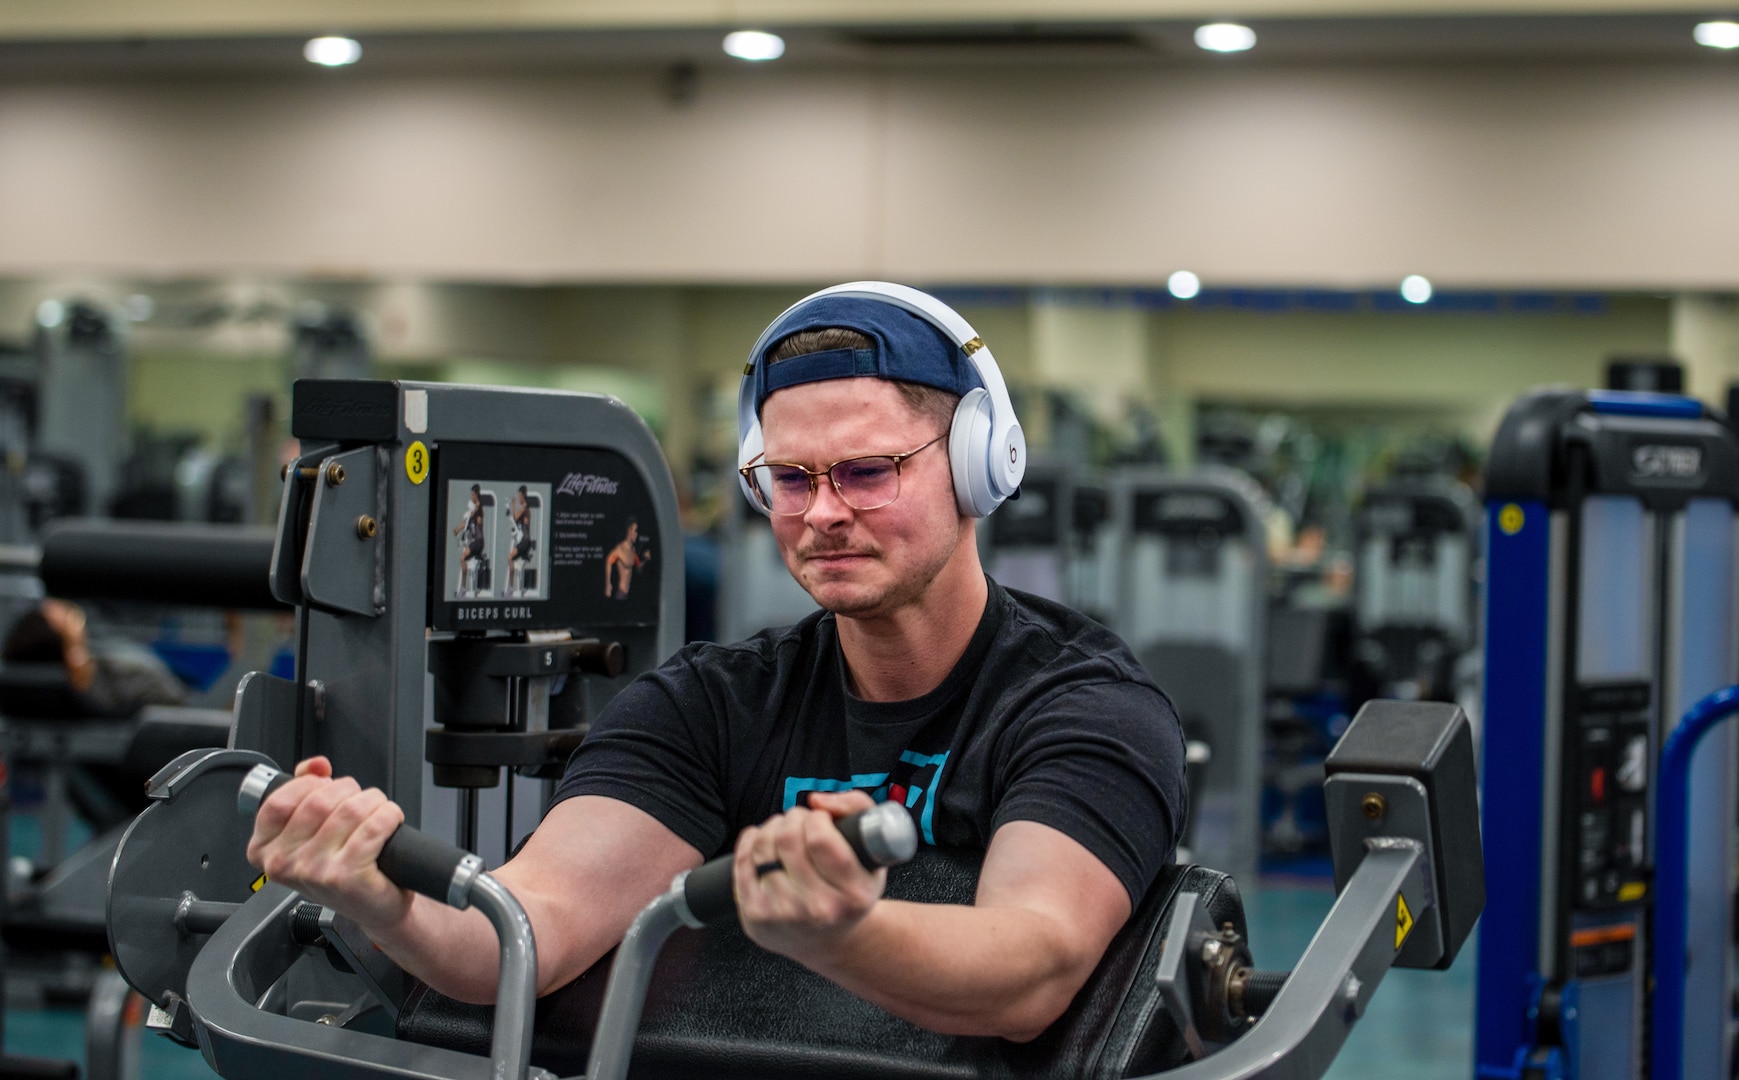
(630,977)
(253,950)
(1672,865)
(111,1040)
(1610,605)
(1328,991)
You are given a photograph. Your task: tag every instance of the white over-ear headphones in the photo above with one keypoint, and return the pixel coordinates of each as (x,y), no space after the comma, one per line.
(986,447)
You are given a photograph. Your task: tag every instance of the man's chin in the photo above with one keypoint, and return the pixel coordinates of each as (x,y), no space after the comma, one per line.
(852,600)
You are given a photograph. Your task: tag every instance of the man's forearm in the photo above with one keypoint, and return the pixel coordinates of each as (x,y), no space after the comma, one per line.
(958,970)
(455,952)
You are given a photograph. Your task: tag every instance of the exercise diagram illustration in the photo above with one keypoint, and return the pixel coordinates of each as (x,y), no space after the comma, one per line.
(481,534)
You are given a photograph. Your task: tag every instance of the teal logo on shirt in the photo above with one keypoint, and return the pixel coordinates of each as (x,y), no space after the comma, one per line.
(912,784)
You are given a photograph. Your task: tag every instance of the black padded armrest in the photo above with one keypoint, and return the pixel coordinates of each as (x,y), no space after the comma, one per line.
(40,692)
(723,1007)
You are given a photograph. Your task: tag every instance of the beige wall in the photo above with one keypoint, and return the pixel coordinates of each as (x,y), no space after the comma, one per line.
(1614,175)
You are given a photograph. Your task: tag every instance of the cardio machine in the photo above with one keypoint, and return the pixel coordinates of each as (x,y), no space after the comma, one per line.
(1052,541)
(265,984)
(1191,574)
(1413,610)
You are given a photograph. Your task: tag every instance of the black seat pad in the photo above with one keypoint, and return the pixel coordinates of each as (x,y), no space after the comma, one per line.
(723,1008)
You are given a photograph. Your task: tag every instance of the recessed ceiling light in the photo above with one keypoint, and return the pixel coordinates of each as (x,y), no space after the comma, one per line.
(1721,34)
(1184,285)
(332,51)
(754,45)
(1225,37)
(1415,289)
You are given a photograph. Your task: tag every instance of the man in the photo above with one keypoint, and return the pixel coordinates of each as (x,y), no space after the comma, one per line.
(109,678)
(1002,721)
(470,534)
(623,560)
(519,555)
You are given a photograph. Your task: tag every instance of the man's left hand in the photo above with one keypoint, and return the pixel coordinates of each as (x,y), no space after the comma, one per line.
(819,892)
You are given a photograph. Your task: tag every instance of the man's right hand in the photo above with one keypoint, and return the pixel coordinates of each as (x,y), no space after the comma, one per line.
(321,835)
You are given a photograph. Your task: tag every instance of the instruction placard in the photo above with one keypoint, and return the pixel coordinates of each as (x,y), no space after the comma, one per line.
(537,537)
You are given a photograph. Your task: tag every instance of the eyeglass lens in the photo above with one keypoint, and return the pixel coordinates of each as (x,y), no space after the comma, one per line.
(866,483)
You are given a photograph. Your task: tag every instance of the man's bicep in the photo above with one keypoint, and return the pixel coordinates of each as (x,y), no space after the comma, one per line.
(585,873)
(656,745)
(1104,765)
(1041,869)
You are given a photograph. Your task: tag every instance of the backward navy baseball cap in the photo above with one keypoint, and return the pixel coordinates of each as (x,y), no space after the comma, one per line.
(903,346)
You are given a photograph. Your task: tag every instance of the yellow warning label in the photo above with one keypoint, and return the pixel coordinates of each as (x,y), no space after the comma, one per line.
(1632,891)
(1511,519)
(260,883)
(417,462)
(1403,920)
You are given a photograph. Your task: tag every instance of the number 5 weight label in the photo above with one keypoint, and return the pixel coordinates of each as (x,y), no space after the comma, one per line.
(417,462)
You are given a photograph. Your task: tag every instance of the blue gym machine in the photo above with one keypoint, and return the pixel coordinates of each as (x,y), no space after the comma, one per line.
(1605,949)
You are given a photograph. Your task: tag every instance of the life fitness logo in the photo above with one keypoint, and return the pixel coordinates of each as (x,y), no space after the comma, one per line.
(586,484)
(1657,461)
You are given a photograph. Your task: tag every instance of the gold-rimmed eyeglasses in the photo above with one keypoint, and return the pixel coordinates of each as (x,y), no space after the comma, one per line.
(865,483)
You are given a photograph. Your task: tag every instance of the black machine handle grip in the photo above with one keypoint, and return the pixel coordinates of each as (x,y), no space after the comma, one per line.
(883,835)
(414,860)
(410,859)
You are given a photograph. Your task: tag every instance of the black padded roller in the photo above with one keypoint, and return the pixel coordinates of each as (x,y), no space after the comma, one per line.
(852,828)
(709,890)
(225,566)
(419,862)
(709,893)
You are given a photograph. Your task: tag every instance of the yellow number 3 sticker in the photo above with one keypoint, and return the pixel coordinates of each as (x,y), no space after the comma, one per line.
(417,462)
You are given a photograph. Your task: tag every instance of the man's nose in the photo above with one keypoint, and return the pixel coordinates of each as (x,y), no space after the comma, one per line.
(827,509)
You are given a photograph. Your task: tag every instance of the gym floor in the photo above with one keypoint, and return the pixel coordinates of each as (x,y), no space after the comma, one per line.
(1420,1024)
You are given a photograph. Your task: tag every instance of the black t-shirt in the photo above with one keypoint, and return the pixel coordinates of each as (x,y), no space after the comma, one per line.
(1047,717)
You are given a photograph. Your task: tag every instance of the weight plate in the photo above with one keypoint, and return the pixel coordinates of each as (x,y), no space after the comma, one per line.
(191,839)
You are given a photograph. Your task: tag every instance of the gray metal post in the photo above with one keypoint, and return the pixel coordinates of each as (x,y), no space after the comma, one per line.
(82,353)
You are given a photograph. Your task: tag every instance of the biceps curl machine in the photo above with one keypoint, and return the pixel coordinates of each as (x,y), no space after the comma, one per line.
(265,983)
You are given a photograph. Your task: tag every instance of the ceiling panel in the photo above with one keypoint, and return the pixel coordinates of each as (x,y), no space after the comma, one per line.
(86,19)
(884,44)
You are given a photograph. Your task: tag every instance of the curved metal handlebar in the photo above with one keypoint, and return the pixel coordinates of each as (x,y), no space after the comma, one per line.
(1672,867)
